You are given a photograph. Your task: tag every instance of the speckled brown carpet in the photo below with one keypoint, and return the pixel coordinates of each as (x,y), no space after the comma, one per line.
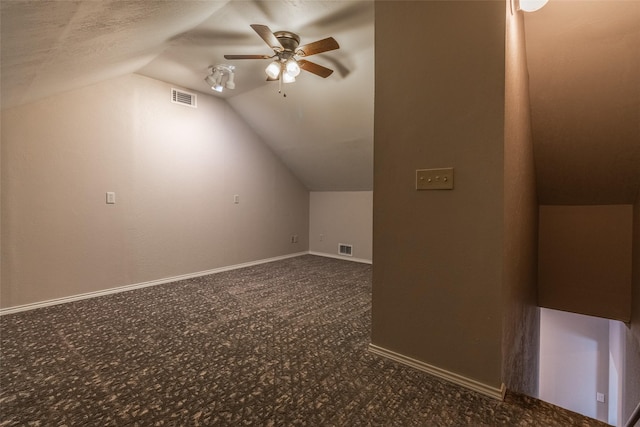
(278,344)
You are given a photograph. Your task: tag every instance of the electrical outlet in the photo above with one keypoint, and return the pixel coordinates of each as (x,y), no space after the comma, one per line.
(600,397)
(294,238)
(434,179)
(111,197)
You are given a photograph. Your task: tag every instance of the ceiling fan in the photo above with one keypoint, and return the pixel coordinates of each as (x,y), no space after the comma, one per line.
(286,66)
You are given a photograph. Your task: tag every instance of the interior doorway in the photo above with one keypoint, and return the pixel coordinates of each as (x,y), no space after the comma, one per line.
(581,363)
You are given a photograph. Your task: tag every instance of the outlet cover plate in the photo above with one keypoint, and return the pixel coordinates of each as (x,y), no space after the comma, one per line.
(434,179)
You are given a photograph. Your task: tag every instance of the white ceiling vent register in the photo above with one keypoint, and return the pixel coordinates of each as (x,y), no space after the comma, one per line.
(184,98)
(344,249)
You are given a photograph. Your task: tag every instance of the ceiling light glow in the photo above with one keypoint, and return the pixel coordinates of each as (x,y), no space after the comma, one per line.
(288,78)
(292,67)
(273,70)
(531,5)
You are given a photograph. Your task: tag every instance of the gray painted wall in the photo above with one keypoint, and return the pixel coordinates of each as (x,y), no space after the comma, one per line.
(174,170)
(438,270)
(341,217)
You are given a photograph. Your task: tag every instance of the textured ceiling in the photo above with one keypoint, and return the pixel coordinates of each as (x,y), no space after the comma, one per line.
(52,46)
(323,129)
(583,64)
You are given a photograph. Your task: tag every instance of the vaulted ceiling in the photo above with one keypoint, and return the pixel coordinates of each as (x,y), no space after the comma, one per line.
(584,67)
(584,59)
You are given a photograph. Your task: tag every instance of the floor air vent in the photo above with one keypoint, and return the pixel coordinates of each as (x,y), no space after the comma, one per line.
(184,98)
(345,249)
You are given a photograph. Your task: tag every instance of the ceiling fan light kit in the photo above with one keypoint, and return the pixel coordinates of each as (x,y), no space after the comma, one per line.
(289,70)
(285,67)
(221,76)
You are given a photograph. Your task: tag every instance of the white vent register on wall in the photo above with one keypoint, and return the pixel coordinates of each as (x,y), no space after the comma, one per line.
(344,249)
(184,98)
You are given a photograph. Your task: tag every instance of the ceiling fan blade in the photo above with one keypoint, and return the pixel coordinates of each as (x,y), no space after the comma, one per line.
(314,68)
(248,56)
(319,46)
(267,35)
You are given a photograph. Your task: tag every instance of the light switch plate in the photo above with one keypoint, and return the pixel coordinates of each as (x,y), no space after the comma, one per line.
(434,179)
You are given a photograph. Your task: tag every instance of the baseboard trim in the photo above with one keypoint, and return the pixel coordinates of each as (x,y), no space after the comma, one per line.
(496,393)
(344,258)
(72,298)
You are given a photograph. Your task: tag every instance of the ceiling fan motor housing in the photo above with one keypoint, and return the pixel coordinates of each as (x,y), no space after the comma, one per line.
(288,40)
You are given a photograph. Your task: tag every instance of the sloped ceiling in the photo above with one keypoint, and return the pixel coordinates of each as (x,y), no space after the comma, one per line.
(584,67)
(583,64)
(52,46)
(322,129)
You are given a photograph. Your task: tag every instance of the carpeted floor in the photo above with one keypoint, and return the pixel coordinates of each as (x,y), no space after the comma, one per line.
(278,344)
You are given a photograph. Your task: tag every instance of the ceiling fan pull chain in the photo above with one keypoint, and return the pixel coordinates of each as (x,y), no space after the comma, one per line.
(280,84)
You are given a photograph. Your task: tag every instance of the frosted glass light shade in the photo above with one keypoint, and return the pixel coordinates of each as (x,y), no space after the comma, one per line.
(532,5)
(273,70)
(230,83)
(210,81)
(293,69)
(288,78)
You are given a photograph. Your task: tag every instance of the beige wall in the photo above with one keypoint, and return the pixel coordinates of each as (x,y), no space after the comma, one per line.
(520,346)
(437,276)
(631,396)
(341,217)
(174,170)
(585,259)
